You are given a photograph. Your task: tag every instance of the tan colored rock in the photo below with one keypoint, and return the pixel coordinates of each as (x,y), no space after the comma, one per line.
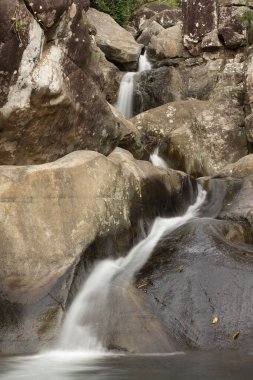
(211,41)
(167,44)
(51,213)
(241,168)
(203,137)
(249,98)
(130,136)
(234,2)
(117,44)
(111,75)
(203,78)
(152,29)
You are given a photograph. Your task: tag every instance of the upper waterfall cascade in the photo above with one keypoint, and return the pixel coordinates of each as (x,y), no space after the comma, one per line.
(126,90)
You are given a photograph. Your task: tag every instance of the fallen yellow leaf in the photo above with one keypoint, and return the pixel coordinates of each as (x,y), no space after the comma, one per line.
(236,335)
(215,320)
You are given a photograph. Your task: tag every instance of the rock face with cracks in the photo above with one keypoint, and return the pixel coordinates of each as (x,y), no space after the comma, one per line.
(50,99)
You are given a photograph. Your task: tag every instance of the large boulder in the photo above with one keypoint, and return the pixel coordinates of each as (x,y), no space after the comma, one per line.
(111,74)
(241,168)
(203,77)
(52,213)
(151,29)
(178,80)
(199,279)
(167,44)
(202,136)
(198,20)
(231,30)
(51,101)
(118,44)
(158,86)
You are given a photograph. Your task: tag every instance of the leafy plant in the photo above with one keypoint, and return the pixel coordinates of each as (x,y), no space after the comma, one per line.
(171,3)
(120,10)
(246,19)
(18,24)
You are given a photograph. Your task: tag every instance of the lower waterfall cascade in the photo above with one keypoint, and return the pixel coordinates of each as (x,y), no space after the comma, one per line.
(78,330)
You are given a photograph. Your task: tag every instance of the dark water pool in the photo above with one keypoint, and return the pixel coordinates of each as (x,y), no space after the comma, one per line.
(188,366)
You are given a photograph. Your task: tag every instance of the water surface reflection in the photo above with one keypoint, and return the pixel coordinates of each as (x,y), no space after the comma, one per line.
(74,366)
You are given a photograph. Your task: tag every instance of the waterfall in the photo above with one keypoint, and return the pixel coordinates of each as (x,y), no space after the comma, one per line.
(144,63)
(125,98)
(157,160)
(126,90)
(80,330)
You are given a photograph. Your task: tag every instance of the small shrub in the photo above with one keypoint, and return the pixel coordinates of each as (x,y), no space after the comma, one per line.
(246,19)
(120,10)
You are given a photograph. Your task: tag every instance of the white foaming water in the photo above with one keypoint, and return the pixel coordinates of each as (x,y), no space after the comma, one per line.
(79,328)
(157,160)
(144,63)
(125,98)
(126,90)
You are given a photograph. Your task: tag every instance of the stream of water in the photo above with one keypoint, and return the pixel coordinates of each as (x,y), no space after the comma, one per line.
(157,160)
(126,90)
(79,332)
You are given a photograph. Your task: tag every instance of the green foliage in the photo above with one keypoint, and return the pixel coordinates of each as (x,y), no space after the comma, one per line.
(120,10)
(20,26)
(246,19)
(171,3)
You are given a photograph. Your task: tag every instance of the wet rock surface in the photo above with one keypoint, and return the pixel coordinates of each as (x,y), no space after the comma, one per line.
(199,279)
(157,87)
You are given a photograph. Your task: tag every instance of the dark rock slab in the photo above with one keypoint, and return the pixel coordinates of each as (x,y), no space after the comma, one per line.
(199,280)
(199,19)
